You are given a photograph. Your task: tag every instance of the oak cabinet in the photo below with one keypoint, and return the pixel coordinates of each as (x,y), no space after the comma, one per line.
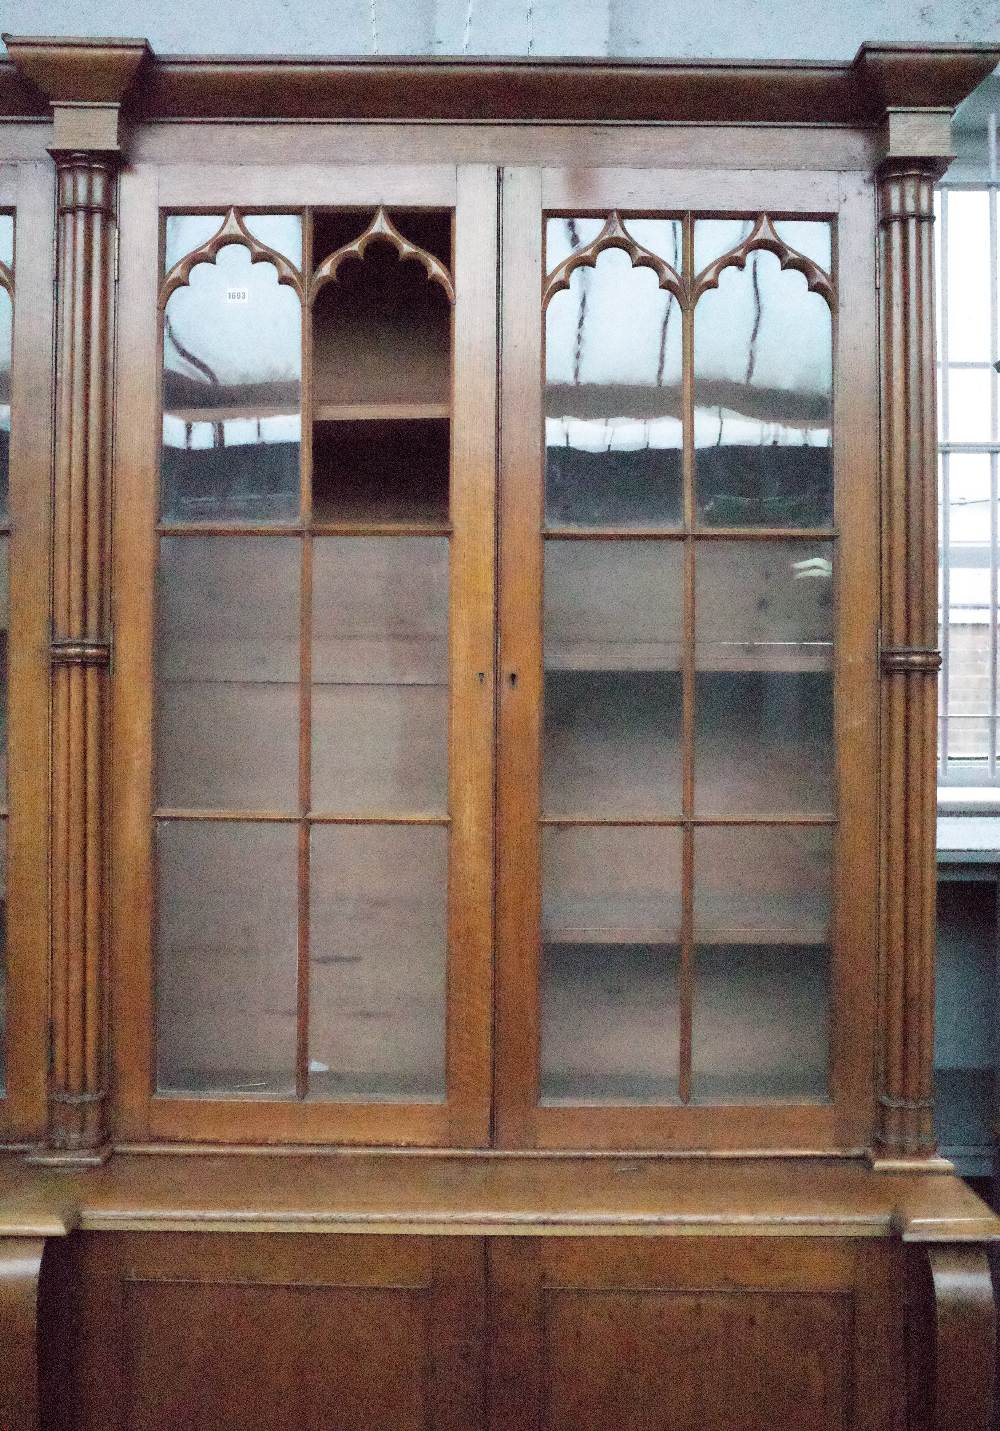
(472,639)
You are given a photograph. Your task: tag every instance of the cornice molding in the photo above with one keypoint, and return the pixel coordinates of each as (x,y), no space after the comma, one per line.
(84,81)
(78,71)
(862,92)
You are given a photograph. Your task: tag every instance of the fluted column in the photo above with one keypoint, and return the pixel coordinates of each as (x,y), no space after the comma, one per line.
(910,658)
(81,644)
(86,82)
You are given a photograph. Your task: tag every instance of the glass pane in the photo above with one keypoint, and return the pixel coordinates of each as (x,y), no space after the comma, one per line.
(228,669)
(183,233)
(714,237)
(6,341)
(763,392)
(761,978)
(232,342)
(282,232)
(967,415)
(813,239)
(613,630)
(3,954)
(613,388)
(380,675)
(968,276)
(226,1011)
(610,931)
(378,957)
(4,628)
(764,616)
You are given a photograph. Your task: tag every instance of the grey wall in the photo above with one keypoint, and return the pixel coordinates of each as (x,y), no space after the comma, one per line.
(793,29)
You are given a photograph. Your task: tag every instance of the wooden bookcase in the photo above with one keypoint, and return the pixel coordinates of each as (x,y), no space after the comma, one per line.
(471,746)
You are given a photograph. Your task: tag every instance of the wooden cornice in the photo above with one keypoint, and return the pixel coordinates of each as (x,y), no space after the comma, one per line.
(881,78)
(78,71)
(85,82)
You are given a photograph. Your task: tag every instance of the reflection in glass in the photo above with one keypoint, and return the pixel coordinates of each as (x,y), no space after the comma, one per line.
(714,237)
(231,380)
(378,954)
(763,390)
(3,954)
(282,232)
(6,343)
(380,675)
(764,615)
(227,655)
(761,977)
(226,1006)
(4,630)
(183,233)
(613,385)
(611,927)
(613,615)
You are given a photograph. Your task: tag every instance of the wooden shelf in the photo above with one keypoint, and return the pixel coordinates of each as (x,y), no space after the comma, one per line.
(650,919)
(737,657)
(380,411)
(246,412)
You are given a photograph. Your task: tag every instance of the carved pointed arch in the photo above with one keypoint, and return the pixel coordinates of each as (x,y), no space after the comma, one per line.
(764,236)
(614,234)
(232,230)
(381,230)
(7,280)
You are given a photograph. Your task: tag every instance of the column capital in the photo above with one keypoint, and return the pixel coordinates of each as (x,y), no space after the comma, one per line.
(86,82)
(916,141)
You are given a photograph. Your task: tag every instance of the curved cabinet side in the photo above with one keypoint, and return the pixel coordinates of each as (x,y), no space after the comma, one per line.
(952,1330)
(20,1266)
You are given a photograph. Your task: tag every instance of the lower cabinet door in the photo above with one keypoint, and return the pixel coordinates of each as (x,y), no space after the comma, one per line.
(203,1332)
(696,1334)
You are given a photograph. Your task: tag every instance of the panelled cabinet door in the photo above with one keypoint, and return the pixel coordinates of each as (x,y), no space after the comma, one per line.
(687,878)
(195,1331)
(304,549)
(695,1333)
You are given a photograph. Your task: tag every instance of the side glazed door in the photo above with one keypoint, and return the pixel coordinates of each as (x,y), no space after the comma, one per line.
(688,679)
(304,654)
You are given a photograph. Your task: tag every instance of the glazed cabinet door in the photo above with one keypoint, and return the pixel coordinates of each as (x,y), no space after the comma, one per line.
(287,1332)
(304,654)
(696,1334)
(688,665)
